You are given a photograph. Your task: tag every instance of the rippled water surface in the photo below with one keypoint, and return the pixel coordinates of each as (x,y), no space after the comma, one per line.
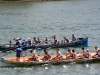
(61,18)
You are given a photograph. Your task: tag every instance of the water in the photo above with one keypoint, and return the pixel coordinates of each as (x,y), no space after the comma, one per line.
(40,19)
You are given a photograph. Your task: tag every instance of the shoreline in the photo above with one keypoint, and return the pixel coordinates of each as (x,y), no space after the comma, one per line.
(31,0)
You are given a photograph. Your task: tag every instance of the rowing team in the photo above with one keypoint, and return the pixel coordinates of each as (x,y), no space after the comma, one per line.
(71,54)
(37,41)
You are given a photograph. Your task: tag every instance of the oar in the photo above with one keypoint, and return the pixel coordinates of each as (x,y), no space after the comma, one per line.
(3,55)
(6,54)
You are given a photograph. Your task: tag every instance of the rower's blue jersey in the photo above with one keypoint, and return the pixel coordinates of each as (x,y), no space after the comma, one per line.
(39,42)
(46,41)
(20,43)
(17,43)
(24,42)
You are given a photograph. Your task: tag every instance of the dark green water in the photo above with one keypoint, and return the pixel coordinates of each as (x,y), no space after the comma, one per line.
(61,18)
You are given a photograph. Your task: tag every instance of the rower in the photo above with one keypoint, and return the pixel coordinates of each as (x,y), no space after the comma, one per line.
(66,40)
(46,56)
(59,56)
(74,38)
(85,54)
(24,42)
(46,40)
(96,49)
(17,41)
(55,39)
(34,56)
(39,41)
(73,56)
(69,54)
(62,42)
(83,51)
(29,42)
(97,52)
(20,42)
(35,40)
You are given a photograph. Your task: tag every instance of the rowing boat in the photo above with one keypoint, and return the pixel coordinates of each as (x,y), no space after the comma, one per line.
(24,61)
(79,42)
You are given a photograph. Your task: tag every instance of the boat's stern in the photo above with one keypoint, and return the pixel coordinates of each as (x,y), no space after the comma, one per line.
(83,41)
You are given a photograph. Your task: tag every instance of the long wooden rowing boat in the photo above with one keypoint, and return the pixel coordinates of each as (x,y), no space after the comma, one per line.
(79,42)
(24,61)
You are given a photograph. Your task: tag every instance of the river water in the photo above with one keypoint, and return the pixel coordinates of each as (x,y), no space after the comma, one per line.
(47,18)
